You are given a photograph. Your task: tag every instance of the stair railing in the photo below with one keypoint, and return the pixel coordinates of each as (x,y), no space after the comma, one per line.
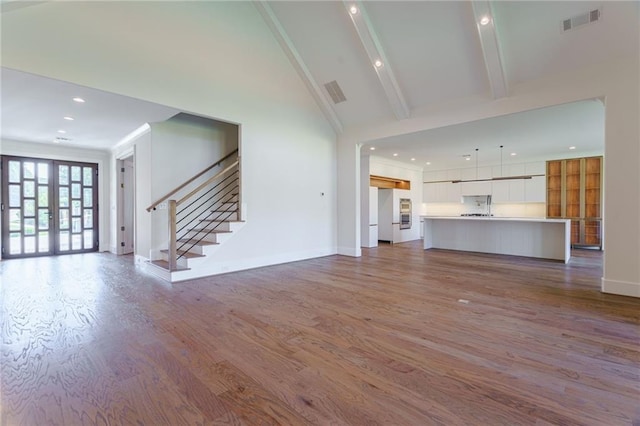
(213,201)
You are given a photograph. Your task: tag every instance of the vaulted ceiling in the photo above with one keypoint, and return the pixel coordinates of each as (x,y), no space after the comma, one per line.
(431,53)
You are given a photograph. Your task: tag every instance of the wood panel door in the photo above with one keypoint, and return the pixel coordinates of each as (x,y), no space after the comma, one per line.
(48,207)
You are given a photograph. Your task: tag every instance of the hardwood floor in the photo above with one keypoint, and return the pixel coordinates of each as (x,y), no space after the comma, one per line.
(400,336)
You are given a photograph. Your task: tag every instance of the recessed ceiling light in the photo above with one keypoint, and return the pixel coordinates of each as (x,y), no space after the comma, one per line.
(68,118)
(353,10)
(513,154)
(413,159)
(572,147)
(78,100)
(378,63)
(395,154)
(428,163)
(485,20)
(62,131)
(373,148)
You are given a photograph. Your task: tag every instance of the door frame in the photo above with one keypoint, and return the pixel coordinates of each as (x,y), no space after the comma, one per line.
(122,197)
(53,205)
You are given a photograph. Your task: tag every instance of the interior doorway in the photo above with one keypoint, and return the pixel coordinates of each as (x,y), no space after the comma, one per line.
(126,205)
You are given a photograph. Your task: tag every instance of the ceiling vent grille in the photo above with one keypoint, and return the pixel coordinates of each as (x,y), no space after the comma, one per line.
(580,20)
(335,92)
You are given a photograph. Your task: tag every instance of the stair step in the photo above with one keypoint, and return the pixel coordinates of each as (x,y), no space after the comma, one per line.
(185,254)
(214,231)
(165,265)
(222,221)
(197,243)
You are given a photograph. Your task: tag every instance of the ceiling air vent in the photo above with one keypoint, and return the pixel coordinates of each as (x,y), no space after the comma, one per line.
(580,20)
(335,92)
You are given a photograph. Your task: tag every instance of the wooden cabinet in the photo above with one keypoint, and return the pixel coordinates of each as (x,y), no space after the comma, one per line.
(574,191)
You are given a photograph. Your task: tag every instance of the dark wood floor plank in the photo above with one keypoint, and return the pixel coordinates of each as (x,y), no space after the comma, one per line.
(399,336)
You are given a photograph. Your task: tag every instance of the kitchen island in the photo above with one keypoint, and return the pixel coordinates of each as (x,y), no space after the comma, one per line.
(532,237)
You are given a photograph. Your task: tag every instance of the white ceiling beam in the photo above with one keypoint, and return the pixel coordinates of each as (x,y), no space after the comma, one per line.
(296,60)
(490,48)
(373,47)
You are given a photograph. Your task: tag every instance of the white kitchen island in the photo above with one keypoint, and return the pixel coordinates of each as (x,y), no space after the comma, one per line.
(532,237)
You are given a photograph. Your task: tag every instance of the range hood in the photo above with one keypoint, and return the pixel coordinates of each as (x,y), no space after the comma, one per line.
(476,200)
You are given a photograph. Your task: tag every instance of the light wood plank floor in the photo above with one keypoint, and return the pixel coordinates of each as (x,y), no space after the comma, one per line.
(400,336)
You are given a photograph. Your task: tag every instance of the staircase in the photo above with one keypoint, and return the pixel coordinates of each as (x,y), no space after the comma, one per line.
(199,220)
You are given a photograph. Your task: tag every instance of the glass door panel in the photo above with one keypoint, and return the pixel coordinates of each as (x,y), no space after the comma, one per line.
(76,191)
(26,207)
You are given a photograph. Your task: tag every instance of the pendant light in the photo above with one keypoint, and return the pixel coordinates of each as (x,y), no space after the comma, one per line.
(476,163)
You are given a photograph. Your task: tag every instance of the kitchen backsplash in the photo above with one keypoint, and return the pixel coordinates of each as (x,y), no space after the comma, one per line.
(498,210)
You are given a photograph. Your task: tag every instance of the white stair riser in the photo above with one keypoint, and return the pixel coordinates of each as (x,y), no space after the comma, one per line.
(221,226)
(181,261)
(195,249)
(224,216)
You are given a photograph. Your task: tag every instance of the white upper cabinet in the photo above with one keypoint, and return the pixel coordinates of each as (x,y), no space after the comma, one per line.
(535,189)
(434,176)
(537,168)
(479,173)
(502,191)
(475,188)
(441,192)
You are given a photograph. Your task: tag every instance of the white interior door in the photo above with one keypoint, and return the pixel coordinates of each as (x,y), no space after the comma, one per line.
(128,202)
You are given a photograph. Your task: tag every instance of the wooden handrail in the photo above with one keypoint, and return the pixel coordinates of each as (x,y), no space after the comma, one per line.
(178,188)
(207,182)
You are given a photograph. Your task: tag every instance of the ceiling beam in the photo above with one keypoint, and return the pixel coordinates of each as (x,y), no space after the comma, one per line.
(375,52)
(490,48)
(296,60)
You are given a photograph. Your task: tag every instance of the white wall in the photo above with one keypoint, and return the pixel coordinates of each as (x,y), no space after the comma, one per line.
(228,66)
(617,83)
(58,152)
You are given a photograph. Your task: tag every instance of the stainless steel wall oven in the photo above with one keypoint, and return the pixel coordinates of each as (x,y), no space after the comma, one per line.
(405,213)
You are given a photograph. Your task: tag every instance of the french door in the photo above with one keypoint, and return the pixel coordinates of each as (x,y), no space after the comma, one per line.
(48,207)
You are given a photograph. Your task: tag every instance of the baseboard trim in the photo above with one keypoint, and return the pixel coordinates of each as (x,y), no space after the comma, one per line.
(622,288)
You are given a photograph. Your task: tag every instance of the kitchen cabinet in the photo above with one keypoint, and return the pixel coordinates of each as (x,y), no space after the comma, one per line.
(441,192)
(476,173)
(574,191)
(519,190)
(438,186)
(535,190)
(385,215)
(389,217)
(373,217)
(475,188)
(507,191)
(500,191)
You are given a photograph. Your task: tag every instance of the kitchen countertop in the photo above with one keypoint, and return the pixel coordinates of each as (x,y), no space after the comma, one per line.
(498,218)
